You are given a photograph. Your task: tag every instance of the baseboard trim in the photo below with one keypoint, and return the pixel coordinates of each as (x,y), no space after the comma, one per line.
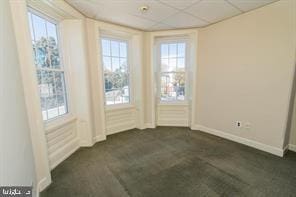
(149,126)
(267,148)
(292,147)
(286,148)
(171,125)
(114,130)
(42,184)
(99,138)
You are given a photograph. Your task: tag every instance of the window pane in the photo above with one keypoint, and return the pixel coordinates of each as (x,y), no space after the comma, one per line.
(173,50)
(172,64)
(52,31)
(125,94)
(47,84)
(116,77)
(123,49)
(123,65)
(165,64)
(60,83)
(115,48)
(181,64)
(115,64)
(53,53)
(107,64)
(164,51)
(62,104)
(39,26)
(172,86)
(52,106)
(41,51)
(51,83)
(109,97)
(108,81)
(181,49)
(118,96)
(172,76)
(106,47)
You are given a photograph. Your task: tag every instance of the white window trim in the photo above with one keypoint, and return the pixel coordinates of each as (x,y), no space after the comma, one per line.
(128,41)
(171,40)
(67,117)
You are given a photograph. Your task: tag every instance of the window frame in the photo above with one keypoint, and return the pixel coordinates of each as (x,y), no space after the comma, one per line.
(126,40)
(172,40)
(63,69)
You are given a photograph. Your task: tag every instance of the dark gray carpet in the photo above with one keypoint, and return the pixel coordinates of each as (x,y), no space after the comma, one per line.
(171,161)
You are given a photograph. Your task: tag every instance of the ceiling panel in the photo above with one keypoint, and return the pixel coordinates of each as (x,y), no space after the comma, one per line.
(179,4)
(164,14)
(213,10)
(88,8)
(129,20)
(157,10)
(246,5)
(183,20)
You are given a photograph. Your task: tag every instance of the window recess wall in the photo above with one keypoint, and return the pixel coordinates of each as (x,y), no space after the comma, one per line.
(116,64)
(120,109)
(173,65)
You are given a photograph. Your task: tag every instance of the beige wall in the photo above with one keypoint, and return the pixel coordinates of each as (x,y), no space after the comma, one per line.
(16,156)
(245,72)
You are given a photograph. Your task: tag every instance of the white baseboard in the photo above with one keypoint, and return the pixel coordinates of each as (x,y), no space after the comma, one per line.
(119,129)
(264,147)
(292,147)
(171,124)
(99,138)
(42,184)
(286,148)
(149,126)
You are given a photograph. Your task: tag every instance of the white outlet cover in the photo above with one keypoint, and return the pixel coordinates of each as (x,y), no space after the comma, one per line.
(238,124)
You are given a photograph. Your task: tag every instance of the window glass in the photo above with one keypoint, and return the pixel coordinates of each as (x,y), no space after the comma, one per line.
(116,71)
(50,74)
(172,71)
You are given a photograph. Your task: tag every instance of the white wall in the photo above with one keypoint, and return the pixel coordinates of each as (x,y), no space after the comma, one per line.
(245,73)
(16,156)
(75,60)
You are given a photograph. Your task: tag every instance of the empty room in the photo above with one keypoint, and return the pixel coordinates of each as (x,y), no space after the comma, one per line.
(148,98)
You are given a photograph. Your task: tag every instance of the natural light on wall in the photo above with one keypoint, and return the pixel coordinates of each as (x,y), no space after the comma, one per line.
(116,71)
(172,71)
(50,72)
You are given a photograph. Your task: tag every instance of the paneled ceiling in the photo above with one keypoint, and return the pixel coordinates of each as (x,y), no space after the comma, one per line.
(165,14)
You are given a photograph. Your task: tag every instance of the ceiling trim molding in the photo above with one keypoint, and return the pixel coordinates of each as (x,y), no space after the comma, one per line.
(60,10)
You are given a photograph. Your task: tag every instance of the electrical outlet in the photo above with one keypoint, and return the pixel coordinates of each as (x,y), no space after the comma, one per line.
(238,124)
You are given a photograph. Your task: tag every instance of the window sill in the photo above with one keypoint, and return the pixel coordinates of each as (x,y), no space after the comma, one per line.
(119,107)
(59,123)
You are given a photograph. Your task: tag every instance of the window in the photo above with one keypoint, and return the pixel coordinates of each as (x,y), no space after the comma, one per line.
(50,72)
(116,71)
(172,71)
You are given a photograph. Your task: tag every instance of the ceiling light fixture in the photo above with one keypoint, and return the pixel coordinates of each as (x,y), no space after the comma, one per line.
(144,8)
